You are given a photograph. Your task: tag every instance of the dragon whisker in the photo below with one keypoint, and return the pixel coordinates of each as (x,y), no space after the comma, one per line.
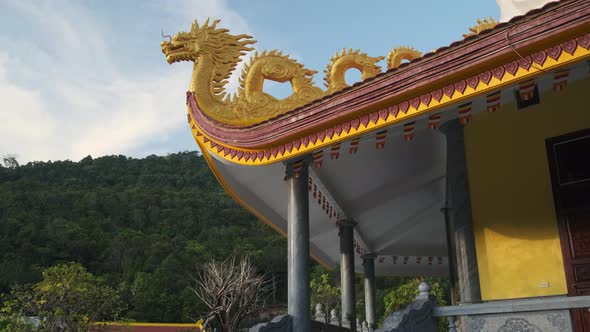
(166,36)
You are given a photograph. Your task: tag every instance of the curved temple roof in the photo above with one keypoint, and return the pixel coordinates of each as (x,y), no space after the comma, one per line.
(465,69)
(365,169)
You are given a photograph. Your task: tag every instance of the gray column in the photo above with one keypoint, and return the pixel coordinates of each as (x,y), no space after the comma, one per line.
(451,255)
(369,267)
(459,214)
(298,252)
(347,274)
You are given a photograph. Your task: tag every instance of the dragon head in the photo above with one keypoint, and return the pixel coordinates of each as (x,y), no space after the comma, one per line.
(185,46)
(205,39)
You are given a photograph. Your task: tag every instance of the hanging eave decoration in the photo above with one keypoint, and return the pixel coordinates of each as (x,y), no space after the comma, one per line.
(560,80)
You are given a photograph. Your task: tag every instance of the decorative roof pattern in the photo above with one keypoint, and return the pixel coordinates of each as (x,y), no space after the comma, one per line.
(404,112)
(475,55)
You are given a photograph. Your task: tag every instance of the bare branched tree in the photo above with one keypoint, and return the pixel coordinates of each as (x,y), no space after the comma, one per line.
(10,161)
(232,291)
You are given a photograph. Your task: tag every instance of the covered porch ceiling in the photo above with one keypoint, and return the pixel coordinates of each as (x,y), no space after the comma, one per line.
(394,194)
(391,185)
(378,157)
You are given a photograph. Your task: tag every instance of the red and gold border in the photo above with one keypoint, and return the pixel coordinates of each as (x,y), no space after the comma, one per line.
(511,73)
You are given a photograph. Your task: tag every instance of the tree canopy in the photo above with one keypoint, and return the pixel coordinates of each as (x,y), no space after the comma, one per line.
(68,298)
(141,225)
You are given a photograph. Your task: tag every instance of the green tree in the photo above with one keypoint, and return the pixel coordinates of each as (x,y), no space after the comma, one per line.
(323,292)
(136,224)
(12,312)
(401,296)
(68,298)
(10,161)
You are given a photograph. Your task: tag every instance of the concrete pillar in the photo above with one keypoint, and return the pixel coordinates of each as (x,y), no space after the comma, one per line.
(369,267)
(347,274)
(298,252)
(459,214)
(451,254)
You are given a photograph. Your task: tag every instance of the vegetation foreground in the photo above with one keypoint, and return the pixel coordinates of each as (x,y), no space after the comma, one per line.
(139,231)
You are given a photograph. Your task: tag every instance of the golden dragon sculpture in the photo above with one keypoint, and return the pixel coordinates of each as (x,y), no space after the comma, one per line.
(216,53)
(482,25)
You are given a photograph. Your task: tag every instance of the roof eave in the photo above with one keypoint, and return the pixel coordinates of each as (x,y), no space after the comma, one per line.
(540,29)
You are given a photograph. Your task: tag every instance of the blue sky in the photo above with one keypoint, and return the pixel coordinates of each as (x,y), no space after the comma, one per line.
(88,77)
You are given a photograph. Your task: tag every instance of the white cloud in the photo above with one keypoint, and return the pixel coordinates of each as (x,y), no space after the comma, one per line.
(64,92)
(511,8)
(25,120)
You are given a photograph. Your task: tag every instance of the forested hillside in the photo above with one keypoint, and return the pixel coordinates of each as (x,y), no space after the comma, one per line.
(144,225)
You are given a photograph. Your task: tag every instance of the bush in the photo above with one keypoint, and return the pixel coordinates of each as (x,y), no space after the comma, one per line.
(68,298)
(400,297)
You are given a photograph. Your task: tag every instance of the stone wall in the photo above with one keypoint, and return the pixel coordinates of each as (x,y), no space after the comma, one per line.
(535,321)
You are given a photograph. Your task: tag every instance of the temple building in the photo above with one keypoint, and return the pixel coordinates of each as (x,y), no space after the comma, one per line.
(471,161)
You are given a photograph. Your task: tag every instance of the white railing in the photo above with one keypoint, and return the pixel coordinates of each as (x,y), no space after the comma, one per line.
(334,319)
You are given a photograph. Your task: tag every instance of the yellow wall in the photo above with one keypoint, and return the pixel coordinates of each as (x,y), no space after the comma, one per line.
(518,247)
